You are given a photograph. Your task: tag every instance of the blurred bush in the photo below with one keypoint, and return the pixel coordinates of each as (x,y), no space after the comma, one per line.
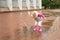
(51,4)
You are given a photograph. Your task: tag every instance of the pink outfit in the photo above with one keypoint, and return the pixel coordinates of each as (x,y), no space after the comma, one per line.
(40,14)
(38,21)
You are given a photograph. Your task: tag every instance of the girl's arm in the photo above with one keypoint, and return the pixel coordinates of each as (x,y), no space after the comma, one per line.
(43,17)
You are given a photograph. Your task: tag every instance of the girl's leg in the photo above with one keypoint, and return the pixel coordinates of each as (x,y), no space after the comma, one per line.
(40,25)
(40,28)
(35,25)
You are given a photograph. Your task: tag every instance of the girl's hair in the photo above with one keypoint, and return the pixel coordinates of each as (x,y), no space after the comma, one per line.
(34,14)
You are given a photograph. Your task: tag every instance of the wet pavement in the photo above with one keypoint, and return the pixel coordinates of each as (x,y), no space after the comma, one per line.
(14,26)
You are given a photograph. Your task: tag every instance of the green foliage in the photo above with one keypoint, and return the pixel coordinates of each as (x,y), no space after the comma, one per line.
(51,4)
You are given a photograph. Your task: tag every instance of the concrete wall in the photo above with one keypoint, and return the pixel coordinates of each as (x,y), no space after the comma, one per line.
(3,3)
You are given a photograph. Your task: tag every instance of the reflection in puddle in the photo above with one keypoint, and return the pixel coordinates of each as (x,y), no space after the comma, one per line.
(22,32)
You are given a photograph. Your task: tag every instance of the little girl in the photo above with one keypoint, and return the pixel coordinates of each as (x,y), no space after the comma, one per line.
(38,20)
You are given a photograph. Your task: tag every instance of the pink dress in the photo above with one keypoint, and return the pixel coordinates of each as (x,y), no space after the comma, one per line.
(38,21)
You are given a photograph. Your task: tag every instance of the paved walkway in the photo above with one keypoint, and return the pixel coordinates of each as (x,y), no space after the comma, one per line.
(54,31)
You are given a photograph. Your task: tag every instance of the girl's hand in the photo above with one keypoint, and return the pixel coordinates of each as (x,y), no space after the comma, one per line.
(44,18)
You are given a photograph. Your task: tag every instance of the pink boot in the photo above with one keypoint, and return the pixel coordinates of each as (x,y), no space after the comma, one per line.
(35,27)
(40,28)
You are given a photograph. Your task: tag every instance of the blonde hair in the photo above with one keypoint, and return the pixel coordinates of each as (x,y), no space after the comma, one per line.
(34,14)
